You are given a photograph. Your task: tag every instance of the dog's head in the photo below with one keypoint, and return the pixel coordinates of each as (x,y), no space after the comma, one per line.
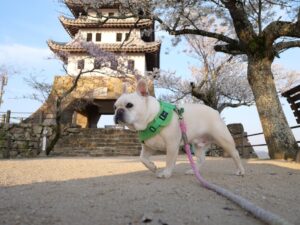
(130,109)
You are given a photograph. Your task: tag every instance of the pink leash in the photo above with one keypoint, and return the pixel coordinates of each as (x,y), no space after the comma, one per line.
(260,213)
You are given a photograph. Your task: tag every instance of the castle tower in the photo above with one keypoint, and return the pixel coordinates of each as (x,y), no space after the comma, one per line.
(97,90)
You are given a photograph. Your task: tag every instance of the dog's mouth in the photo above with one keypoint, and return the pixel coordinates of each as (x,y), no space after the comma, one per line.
(119,120)
(119,117)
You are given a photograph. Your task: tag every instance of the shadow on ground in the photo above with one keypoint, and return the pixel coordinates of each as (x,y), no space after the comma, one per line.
(140,198)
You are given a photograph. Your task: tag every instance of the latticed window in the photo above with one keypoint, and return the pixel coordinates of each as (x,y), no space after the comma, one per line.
(97,64)
(119,37)
(98,37)
(89,37)
(130,65)
(80,64)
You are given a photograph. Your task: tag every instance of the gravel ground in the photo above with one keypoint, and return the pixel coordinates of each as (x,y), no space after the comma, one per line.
(119,190)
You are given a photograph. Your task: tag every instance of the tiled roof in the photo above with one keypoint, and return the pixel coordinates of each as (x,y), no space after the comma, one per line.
(133,47)
(73,25)
(79,6)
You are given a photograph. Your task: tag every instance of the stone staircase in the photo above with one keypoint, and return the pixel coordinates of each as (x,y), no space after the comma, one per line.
(97,142)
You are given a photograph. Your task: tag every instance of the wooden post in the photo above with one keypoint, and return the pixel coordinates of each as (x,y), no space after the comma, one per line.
(74,118)
(8,113)
(41,117)
(245,150)
(6,150)
(44,140)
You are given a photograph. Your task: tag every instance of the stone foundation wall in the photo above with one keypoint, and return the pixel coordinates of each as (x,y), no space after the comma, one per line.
(22,140)
(25,140)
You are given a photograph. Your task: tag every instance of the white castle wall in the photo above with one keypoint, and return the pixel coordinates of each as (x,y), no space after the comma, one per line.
(108,35)
(139,63)
(92,13)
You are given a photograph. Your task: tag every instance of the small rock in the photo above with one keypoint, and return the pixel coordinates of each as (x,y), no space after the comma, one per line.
(146,219)
(272,174)
(228,208)
(161,222)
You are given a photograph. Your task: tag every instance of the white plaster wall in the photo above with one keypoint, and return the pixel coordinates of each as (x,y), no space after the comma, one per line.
(108,35)
(139,64)
(92,13)
(106,11)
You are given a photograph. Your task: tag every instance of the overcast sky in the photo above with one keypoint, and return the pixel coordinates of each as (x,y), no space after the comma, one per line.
(27,25)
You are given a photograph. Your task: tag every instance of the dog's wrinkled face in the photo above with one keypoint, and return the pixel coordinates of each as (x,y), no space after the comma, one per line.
(129,110)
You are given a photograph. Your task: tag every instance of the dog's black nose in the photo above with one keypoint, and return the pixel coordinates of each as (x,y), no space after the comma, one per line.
(119,115)
(120,111)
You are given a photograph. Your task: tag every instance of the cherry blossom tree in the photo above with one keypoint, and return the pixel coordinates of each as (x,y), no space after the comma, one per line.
(262,30)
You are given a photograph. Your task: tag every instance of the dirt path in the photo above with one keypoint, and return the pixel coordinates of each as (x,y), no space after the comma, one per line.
(112,191)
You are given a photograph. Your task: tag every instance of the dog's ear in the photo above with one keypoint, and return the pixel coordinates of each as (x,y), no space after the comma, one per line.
(142,88)
(124,88)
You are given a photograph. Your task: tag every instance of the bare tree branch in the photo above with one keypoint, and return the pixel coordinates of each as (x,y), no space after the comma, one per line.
(283,46)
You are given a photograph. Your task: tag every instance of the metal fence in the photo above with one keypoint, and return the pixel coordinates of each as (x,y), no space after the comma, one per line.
(9,117)
(257,134)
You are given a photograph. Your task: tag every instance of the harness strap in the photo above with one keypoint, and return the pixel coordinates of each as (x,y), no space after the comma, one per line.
(162,119)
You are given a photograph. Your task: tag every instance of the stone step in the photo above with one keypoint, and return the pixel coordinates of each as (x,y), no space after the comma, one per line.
(97,142)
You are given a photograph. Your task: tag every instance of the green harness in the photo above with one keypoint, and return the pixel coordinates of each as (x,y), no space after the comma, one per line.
(162,119)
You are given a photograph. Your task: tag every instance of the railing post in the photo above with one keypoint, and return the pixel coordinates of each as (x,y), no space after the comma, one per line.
(74,118)
(41,117)
(44,140)
(8,113)
(242,144)
(3,118)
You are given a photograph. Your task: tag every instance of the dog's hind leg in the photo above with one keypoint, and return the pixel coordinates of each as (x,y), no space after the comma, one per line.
(145,158)
(224,139)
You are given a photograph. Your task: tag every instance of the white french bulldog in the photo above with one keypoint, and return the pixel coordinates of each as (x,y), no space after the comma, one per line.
(204,126)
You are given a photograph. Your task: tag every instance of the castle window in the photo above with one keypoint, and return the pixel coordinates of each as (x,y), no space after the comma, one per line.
(126,36)
(130,65)
(89,37)
(98,37)
(119,37)
(111,14)
(80,64)
(97,64)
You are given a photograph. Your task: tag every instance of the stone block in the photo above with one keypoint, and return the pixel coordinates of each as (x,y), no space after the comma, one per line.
(37,129)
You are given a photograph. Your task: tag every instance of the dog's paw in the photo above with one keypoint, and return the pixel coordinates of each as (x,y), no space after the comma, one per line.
(164,174)
(152,167)
(240,173)
(189,172)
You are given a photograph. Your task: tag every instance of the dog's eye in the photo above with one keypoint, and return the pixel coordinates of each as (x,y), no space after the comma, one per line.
(115,107)
(129,105)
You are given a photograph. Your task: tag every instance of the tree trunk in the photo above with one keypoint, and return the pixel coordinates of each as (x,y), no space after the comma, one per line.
(279,137)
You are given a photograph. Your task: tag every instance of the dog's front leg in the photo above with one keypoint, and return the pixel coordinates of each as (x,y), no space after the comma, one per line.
(145,158)
(172,153)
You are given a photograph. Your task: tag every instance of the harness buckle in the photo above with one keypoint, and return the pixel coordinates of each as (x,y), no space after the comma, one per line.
(163,115)
(152,129)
